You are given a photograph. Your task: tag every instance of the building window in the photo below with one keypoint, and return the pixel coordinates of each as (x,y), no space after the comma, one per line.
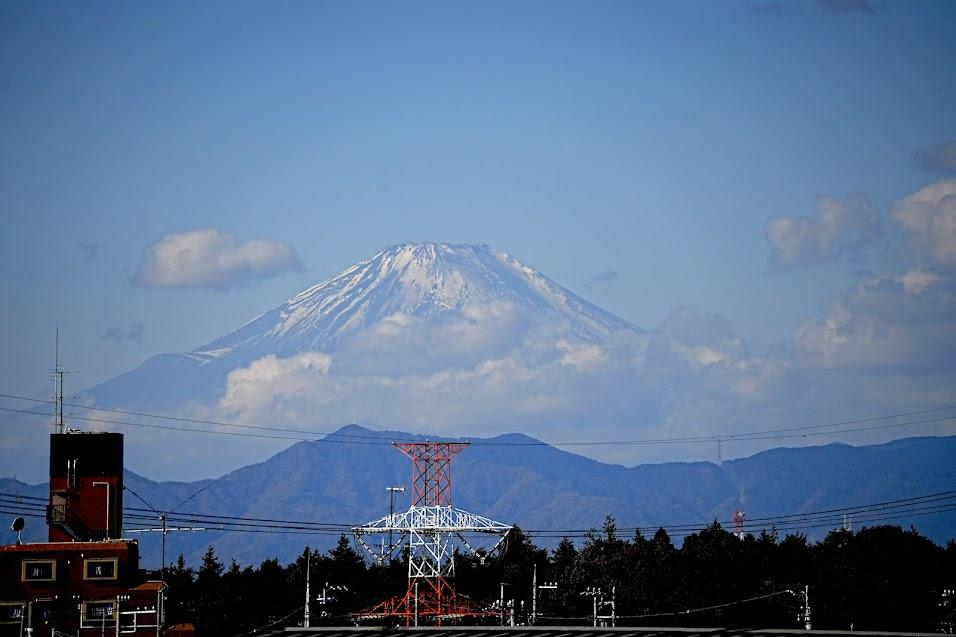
(100,569)
(38,571)
(95,614)
(11,613)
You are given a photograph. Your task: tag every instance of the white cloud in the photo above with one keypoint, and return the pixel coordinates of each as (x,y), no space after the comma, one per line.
(903,323)
(211,258)
(403,343)
(836,227)
(928,218)
(277,384)
(915,281)
(546,383)
(581,356)
(885,346)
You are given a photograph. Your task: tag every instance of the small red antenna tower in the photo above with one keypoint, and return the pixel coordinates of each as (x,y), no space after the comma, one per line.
(738,520)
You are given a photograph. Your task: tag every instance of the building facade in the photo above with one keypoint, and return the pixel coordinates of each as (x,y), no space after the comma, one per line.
(86,579)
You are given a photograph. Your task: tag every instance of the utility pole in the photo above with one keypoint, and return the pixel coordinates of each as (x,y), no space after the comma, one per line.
(614,606)
(593,592)
(162,561)
(806,608)
(308,592)
(162,517)
(325,597)
(535,588)
(501,604)
(597,601)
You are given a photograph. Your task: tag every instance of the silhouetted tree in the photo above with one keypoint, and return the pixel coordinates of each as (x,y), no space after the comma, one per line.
(180,594)
(210,596)
(880,578)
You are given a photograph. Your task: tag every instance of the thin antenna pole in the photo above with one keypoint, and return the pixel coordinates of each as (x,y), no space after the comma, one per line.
(57,385)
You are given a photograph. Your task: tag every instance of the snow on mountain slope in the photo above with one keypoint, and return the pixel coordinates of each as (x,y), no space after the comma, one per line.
(414,307)
(424,280)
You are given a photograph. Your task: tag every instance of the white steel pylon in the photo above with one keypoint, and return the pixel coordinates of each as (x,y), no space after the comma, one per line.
(431,529)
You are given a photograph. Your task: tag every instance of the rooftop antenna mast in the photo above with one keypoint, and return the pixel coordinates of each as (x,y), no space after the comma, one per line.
(57,386)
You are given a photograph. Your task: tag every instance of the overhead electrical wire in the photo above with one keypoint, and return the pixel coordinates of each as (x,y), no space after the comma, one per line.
(806,526)
(902,508)
(915,506)
(836,512)
(378,440)
(191,420)
(689,611)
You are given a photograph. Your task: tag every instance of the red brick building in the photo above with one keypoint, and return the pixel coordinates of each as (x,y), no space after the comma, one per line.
(77,588)
(86,486)
(86,580)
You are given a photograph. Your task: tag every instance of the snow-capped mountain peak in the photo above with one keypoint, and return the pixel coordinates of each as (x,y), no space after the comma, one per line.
(422,280)
(411,308)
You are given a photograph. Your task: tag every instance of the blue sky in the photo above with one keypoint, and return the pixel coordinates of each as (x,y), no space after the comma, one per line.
(633,152)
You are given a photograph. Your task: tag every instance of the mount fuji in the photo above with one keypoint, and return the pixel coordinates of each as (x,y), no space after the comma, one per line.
(414,308)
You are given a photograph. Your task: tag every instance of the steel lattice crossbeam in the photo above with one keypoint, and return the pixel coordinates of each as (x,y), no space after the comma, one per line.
(431,470)
(445,519)
(430,533)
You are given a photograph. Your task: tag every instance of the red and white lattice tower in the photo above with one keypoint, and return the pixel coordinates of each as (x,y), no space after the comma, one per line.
(738,519)
(431,529)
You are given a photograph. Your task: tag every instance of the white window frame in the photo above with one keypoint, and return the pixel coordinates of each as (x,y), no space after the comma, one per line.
(23,614)
(95,622)
(95,578)
(26,563)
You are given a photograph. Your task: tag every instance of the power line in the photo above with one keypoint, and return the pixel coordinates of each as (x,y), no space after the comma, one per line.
(772,434)
(278,621)
(173,516)
(689,611)
(838,512)
(24,497)
(915,506)
(702,609)
(193,420)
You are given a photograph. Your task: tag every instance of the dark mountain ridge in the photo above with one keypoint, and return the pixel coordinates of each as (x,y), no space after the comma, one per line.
(516,479)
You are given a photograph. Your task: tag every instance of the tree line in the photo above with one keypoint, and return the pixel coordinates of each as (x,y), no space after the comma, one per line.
(878,578)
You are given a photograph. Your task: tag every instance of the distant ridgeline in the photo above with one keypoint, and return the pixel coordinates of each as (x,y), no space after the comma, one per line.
(550,493)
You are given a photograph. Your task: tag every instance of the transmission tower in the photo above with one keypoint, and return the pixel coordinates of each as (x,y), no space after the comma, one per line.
(738,519)
(432,529)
